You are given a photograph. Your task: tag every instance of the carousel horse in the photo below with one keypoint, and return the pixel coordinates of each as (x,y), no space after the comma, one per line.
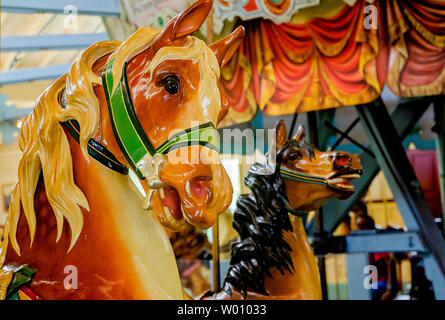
(77,226)
(273,258)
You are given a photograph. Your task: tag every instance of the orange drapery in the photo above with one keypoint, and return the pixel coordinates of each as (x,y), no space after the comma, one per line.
(337,61)
(417,39)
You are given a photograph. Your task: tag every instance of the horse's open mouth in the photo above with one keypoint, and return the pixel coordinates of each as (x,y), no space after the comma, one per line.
(175,208)
(172,202)
(172,214)
(342,183)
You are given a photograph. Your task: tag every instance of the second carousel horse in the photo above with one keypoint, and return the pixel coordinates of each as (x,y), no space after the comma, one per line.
(273,258)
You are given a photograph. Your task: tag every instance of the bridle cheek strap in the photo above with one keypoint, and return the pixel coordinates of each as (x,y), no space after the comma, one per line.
(140,153)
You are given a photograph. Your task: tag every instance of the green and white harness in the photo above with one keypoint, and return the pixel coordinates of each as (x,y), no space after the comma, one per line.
(139,152)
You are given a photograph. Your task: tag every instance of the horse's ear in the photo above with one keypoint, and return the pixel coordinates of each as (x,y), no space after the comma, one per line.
(280,132)
(184,23)
(192,19)
(301,134)
(227,46)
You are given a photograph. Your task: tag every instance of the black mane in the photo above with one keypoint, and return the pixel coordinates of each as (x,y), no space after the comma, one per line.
(260,219)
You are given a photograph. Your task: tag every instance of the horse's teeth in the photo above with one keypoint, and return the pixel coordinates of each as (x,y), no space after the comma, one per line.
(351,176)
(146,204)
(171,218)
(337,180)
(187,189)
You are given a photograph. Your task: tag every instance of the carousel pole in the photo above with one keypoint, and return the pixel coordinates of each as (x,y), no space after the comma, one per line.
(439,129)
(314,138)
(215,230)
(294,121)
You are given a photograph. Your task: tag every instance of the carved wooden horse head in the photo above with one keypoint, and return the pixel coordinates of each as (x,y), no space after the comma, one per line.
(312,176)
(175,94)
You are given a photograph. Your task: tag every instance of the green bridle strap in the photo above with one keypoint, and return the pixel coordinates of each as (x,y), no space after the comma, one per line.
(128,131)
(301,177)
(295,212)
(298,176)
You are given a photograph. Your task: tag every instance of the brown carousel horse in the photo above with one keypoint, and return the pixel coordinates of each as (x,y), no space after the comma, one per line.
(151,104)
(273,258)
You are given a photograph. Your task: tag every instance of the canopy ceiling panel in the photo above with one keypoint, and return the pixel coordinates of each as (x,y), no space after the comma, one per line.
(25,49)
(308,55)
(336,61)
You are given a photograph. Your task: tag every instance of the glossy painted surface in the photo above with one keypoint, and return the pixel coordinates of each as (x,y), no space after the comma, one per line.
(204,189)
(304,282)
(120,250)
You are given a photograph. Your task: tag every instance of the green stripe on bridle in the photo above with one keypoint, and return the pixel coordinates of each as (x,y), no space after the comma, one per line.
(295,212)
(128,131)
(298,176)
(301,177)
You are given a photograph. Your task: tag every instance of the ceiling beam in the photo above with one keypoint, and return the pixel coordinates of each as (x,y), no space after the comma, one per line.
(33,74)
(108,8)
(51,42)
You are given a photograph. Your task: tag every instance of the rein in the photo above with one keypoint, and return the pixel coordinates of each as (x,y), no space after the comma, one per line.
(140,153)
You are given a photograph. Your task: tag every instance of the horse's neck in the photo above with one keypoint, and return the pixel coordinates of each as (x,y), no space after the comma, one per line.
(122,251)
(146,245)
(304,281)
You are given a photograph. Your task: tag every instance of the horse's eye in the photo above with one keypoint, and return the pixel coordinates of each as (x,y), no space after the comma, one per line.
(171,84)
(294,156)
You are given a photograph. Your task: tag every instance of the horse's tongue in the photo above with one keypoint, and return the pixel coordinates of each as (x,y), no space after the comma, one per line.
(173,202)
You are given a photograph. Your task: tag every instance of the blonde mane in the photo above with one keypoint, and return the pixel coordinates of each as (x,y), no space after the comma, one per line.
(45,146)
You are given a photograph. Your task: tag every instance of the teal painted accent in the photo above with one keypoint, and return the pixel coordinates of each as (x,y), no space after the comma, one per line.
(96,7)
(38,42)
(332,140)
(257,121)
(8,132)
(420,144)
(13,297)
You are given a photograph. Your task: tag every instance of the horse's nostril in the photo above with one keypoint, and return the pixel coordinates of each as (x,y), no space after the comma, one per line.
(199,187)
(342,160)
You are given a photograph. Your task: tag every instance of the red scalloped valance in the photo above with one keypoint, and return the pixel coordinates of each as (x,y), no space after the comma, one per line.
(336,61)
